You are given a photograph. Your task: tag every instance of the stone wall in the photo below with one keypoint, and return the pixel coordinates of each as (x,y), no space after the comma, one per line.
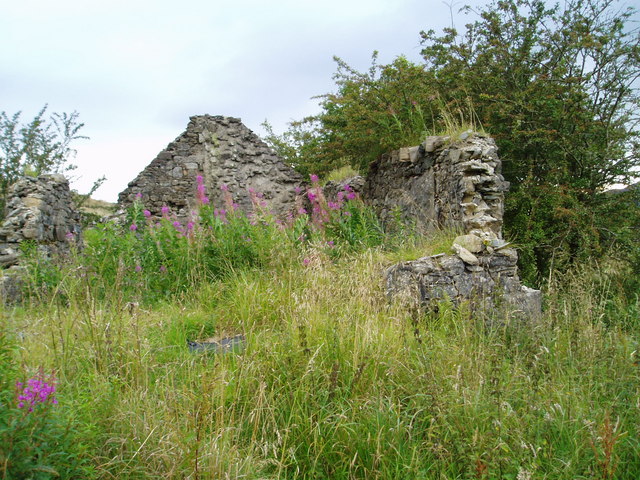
(39,209)
(489,282)
(224,152)
(440,184)
(452,185)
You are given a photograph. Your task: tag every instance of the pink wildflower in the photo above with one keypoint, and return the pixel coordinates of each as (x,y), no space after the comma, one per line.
(201,192)
(37,391)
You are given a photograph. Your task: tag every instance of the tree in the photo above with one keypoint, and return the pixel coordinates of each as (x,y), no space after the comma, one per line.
(41,146)
(558,89)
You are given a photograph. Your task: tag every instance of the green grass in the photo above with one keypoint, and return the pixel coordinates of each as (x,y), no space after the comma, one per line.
(341,173)
(336,382)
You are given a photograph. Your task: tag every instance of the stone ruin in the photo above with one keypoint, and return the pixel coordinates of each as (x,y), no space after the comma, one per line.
(224,152)
(40,210)
(438,184)
(443,184)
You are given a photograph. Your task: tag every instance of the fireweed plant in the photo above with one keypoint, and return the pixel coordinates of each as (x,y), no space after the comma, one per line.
(158,257)
(38,438)
(37,391)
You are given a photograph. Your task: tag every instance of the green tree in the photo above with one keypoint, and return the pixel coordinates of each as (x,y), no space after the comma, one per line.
(372,112)
(558,89)
(40,146)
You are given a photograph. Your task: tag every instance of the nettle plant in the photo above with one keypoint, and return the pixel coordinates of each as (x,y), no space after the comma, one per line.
(162,256)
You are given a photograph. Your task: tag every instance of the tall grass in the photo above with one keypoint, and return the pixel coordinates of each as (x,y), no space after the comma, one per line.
(336,381)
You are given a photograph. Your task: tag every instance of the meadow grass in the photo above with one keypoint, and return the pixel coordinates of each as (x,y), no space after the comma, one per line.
(335,382)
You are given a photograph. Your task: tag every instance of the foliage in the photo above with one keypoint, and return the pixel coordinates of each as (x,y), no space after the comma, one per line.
(341,173)
(336,382)
(41,146)
(154,258)
(297,146)
(371,113)
(556,86)
(37,441)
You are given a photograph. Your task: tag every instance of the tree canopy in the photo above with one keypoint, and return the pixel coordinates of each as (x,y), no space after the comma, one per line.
(44,145)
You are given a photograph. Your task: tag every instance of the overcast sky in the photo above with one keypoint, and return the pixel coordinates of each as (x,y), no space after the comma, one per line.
(135,70)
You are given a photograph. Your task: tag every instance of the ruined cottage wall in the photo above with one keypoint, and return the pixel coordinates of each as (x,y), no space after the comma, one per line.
(441,184)
(224,152)
(39,209)
(452,185)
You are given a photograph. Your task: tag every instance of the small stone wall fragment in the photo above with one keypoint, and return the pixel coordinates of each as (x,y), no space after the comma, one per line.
(41,210)
(459,185)
(489,282)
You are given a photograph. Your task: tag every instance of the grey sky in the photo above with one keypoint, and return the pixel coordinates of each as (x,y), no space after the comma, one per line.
(136,70)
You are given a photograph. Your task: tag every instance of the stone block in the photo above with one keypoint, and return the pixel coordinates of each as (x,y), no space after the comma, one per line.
(472,243)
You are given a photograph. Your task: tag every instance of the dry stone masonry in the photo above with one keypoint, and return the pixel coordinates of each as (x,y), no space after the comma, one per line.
(227,155)
(441,185)
(454,185)
(41,210)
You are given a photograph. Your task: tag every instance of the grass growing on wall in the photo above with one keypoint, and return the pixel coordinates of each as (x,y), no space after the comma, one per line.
(335,381)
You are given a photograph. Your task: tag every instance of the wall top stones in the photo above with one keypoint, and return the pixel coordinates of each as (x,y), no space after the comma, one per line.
(225,153)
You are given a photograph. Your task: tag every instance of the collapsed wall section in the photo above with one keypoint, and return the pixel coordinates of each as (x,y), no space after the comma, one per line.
(442,184)
(227,155)
(41,210)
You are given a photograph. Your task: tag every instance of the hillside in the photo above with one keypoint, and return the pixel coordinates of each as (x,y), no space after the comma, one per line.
(98,208)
